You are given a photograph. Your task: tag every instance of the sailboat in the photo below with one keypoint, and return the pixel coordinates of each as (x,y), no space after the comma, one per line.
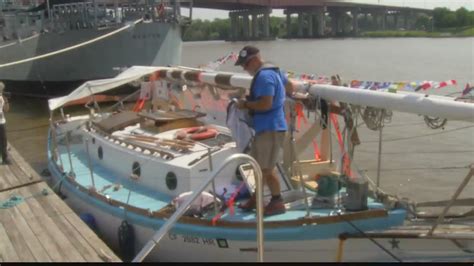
(153,195)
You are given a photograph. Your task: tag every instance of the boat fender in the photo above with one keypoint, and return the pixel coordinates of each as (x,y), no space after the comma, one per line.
(46,172)
(89,220)
(126,238)
(196,133)
(200,206)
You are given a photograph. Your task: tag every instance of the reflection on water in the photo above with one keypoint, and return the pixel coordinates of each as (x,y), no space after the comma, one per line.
(418,162)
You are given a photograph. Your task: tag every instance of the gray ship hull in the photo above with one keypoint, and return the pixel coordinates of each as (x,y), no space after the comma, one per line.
(143,44)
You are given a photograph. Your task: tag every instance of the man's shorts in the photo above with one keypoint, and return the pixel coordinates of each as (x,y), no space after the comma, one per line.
(266,147)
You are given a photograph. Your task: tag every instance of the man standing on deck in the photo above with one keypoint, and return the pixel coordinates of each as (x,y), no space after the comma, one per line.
(4,107)
(266,106)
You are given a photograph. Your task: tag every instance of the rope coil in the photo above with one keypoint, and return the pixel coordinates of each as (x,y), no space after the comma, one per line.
(435,122)
(376,118)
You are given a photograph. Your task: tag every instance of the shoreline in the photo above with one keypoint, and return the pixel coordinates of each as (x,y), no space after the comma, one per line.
(464,32)
(435,34)
(361,36)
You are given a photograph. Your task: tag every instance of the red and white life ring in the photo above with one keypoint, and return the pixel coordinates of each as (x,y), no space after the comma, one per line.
(196,133)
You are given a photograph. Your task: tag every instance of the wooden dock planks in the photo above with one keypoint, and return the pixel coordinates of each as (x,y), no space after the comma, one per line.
(42,228)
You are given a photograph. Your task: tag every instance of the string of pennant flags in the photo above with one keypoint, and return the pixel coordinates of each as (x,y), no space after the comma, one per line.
(358,84)
(214,65)
(413,85)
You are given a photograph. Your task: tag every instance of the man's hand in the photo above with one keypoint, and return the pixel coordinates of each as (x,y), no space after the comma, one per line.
(241,104)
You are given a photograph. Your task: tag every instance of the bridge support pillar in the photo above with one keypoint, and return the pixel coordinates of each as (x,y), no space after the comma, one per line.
(376,20)
(288,25)
(355,21)
(300,24)
(233,26)
(321,21)
(254,26)
(406,19)
(384,19)
(395,21)
(266,23)
(310,25)
(333,23)
(336,22)
(245,26)
(242,29)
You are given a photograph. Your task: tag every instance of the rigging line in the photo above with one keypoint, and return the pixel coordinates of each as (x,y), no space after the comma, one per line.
(420,136)
(370,238)
(28,128)
(72,47)
(417,152)
(37,71)
(405,124)
(421,168)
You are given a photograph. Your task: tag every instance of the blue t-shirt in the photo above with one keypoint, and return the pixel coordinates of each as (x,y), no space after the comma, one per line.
(270,83)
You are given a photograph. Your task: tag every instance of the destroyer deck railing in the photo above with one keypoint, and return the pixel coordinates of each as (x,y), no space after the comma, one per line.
(182,209)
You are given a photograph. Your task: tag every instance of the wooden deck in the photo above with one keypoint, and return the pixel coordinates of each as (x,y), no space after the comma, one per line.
(41,227)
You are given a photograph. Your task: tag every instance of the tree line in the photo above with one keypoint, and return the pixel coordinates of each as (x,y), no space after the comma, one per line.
(219,29)
(445,18)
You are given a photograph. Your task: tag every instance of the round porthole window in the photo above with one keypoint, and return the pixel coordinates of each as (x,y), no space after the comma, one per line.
(136,169)
(100,153)
(171,181)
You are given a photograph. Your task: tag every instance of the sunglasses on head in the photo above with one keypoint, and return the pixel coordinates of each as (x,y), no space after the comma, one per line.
(246,64)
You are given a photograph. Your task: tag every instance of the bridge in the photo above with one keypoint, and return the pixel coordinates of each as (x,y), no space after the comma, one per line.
(250,19)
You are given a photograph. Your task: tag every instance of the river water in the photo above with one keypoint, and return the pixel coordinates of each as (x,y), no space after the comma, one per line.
(417,162)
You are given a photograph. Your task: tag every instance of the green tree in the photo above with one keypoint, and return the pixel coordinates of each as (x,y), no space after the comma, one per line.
(462,17)
(201,30)
(450,20)
(423,22)
(439,15)
(277,27)
(219,29)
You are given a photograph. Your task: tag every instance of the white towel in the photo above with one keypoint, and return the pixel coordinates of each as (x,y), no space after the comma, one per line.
(239,123)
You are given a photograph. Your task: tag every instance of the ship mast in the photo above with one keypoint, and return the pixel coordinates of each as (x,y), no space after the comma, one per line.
(49,9)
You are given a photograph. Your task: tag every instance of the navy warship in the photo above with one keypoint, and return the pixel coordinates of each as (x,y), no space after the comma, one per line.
(47,47)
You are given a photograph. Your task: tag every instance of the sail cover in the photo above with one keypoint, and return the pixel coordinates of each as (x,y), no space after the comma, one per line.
(97,86)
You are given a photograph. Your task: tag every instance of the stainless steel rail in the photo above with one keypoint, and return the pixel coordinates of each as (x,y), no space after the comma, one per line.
(182,209)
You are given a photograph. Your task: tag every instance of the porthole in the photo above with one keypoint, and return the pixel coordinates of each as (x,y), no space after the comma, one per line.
(136,169)
(100,153)
(171,181)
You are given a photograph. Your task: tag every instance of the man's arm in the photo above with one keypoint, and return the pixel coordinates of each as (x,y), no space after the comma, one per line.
(6,105)
(264,97)
(264,103)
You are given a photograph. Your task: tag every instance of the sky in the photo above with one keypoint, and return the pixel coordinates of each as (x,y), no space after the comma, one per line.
(202,13)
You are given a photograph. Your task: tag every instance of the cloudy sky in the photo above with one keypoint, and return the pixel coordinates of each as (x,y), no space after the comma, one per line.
(201,13)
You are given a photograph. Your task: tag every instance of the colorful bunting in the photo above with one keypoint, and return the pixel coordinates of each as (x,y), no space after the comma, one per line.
(375,85)
(411,86)
(467,89)
(214,65)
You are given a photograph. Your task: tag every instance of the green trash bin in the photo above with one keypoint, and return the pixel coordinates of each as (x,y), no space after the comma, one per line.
(328,186)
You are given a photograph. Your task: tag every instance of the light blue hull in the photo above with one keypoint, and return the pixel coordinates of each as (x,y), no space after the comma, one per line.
(239,240)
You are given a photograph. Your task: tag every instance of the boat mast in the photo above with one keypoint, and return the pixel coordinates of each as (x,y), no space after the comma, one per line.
(94,2)
(49,9)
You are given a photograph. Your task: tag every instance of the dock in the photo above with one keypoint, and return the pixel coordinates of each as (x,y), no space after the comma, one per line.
(37,226)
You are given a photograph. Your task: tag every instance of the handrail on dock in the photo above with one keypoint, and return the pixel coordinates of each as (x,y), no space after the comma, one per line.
(182,209)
